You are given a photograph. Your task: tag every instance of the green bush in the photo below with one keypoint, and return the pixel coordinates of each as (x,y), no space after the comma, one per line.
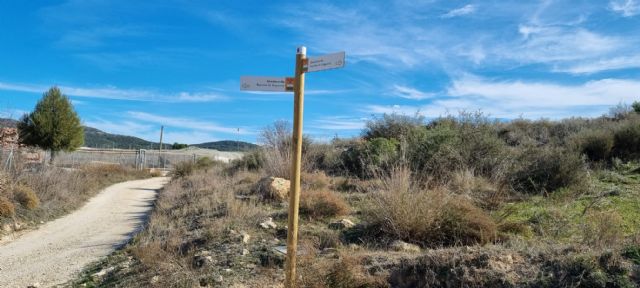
(636,106)
(626,143)
(253,160)
(366,158)
(541,170)
(392,126)
(595,144)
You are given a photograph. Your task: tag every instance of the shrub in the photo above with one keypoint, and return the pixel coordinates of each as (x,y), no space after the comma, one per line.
(183,169)
(392,126)
(636,106)
(370,157)
(26,196)
(7,209)
(627,141)
(252,161)
(321,204)
(478,189)
(430,218)
(545,169)
(603,229)
(315,181)
(595,144)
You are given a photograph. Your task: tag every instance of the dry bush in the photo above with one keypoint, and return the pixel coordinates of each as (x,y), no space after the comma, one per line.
(478,189)
(603,229)
(430,218)
(345,272)
(7,209)
(26,196)
(183,169)
(322,203)
(315,181)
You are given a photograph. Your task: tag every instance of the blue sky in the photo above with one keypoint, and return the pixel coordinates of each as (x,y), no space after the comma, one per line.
(131,66)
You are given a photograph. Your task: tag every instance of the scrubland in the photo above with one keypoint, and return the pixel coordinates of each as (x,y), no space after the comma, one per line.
(458,201)
(29,197)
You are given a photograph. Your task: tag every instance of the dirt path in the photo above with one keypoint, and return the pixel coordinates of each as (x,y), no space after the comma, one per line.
(58,250)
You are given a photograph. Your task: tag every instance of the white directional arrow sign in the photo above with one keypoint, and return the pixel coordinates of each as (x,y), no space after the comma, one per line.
(325,62)
(267,84)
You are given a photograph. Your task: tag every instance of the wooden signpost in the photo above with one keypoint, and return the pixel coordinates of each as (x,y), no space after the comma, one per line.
(295,85)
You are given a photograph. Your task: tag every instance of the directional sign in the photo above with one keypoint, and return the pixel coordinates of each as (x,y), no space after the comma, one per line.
(325,62)
(268,84)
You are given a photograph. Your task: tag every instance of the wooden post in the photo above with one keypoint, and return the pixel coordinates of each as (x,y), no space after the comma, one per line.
(160,147)
(296,163)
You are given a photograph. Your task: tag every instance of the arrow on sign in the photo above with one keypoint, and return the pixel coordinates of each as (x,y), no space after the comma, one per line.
(324,62)
(267,84)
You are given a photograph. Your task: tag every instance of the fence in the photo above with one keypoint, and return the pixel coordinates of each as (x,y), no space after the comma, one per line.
(17,158)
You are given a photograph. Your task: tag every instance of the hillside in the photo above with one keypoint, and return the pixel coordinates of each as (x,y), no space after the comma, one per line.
(99,139)
(228,145)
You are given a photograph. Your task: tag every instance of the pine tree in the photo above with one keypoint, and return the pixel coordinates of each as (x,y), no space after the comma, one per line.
(53,125)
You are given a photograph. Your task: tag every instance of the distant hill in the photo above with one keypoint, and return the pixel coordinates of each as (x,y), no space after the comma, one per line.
(228,145)
(5,122)
(99,139)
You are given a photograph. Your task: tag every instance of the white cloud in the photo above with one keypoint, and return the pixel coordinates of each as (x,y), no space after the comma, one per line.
(627,8)
(547,95)
(465,10)
(511,99)
(187,123)
(410,93)
(338,123)
(589,67)
(111,92)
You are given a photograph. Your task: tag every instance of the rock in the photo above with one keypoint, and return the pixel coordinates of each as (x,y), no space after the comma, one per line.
(155,279)
(219,279)
(342,224)
(245,237)
(201,259)
(404,247)
(274,188)
(268,224)
(244,252)
(100,274)
(34,285)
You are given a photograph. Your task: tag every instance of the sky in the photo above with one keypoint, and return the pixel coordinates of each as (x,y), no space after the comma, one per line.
(131,66)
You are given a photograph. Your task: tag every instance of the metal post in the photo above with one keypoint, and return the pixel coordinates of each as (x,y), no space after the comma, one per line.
(294,193)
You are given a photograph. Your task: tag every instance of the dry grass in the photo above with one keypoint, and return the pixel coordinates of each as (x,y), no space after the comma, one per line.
(603,229)
(61,191)
(479,189)
(7,209)
(321,204)
(193,214)
(26,196)
(347,271)
(429,217)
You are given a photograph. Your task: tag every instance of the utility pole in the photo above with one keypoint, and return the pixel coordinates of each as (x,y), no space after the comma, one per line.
(296,85)
(160,148)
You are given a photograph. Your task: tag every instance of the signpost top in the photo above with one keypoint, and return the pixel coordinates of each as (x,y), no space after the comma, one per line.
(266,84)
(325,62)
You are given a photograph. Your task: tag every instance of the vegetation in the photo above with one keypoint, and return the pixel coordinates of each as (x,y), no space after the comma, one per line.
(53,125)
(458,201)
(36,196)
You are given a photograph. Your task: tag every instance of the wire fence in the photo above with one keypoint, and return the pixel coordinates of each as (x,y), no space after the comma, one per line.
(21,158)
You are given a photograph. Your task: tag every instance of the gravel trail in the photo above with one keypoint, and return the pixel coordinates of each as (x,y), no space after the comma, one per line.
(55,252)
